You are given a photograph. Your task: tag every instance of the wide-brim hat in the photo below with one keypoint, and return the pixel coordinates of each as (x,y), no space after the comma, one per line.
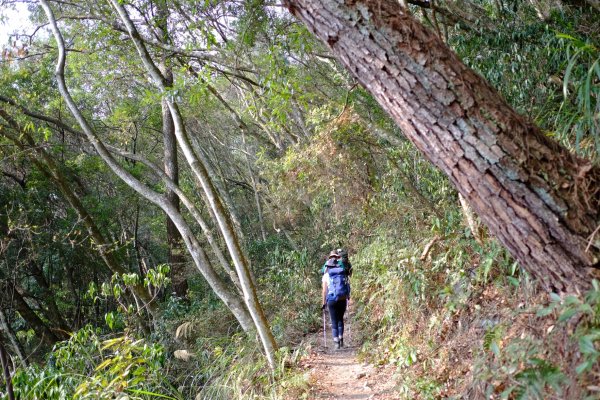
(333,254)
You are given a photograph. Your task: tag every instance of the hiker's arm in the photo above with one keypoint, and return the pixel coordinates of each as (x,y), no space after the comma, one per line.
(324,293)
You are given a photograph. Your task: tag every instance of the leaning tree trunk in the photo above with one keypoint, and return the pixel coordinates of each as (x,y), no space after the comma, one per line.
(14,298)
(541,201)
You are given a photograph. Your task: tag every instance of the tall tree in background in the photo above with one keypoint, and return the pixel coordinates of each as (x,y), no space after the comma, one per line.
(541,201)
(246,308)
(174,240)
(214,201)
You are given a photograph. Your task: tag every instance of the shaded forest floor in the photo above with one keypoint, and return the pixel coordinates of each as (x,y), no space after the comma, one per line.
(339,374)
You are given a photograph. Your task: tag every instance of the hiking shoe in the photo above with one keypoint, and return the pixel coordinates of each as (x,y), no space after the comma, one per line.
(341,342)
(337,345)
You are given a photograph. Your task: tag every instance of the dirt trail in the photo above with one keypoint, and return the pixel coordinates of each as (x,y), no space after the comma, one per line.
(338,375)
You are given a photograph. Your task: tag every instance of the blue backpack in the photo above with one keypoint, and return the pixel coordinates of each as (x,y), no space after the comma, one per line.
(338,287)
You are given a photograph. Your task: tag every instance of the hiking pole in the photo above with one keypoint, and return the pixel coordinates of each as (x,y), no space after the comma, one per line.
(347,330)
(324,330)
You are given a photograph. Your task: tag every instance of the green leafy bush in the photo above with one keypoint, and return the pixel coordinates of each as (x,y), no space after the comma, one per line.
(89,366)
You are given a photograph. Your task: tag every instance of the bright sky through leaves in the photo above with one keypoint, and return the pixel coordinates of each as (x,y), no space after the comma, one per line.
(14,18)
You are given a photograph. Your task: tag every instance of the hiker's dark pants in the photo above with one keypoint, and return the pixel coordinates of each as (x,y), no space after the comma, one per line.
(336,313)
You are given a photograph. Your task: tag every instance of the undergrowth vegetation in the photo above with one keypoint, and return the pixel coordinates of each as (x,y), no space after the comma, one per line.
(547,69)
(195,352)
(474,326)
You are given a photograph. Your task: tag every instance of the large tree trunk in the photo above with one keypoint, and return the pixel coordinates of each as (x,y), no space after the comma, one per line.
(541,201)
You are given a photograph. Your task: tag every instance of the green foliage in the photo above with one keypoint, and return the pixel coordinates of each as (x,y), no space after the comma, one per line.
(293,279)
(330,176)
(530,367)
(588,332)
(118,289)
(132,367)
(89,366)
(402,322)
(345,181)
(234,369)
(545,69)
(581,90)
(492,338)
(534,378)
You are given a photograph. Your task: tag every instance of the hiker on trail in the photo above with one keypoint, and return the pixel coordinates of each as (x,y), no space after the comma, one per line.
(336,293)
(343,261)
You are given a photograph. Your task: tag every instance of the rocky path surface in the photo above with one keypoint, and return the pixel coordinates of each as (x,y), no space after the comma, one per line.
(339,375)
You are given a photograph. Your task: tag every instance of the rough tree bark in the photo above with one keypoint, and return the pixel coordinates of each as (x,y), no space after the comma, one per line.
(541,201)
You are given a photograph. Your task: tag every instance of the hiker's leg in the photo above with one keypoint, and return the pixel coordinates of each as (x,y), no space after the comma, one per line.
(333,314)
(341,311)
